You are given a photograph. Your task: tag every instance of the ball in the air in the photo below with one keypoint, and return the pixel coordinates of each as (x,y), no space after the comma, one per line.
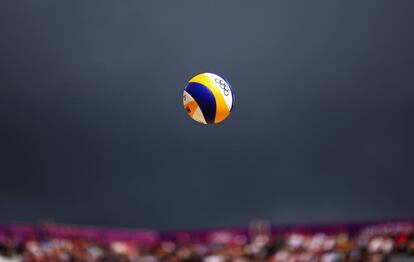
(208,98)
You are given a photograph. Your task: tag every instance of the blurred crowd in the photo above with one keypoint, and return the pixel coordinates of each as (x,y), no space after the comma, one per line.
(258,247)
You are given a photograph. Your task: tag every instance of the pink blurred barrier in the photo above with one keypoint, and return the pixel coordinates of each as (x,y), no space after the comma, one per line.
(363,231)
(24,231)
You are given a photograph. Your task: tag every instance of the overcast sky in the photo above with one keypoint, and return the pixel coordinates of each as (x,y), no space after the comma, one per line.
(93,130)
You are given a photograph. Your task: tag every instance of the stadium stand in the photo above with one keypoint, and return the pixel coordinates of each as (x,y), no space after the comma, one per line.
(385,241)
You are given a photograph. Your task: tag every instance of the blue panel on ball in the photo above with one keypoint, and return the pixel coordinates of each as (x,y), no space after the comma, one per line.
(204,98)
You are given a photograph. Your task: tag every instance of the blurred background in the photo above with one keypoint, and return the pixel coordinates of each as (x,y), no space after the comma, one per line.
(93,131)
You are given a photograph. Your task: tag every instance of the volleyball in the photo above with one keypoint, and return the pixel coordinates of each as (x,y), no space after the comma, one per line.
(208,98)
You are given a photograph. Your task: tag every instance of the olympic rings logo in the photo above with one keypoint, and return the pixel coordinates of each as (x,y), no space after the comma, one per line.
(223,85)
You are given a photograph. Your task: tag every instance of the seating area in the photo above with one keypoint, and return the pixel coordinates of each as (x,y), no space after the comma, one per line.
(385,241)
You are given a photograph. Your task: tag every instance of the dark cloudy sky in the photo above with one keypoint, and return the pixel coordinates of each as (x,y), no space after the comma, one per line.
(93,131)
